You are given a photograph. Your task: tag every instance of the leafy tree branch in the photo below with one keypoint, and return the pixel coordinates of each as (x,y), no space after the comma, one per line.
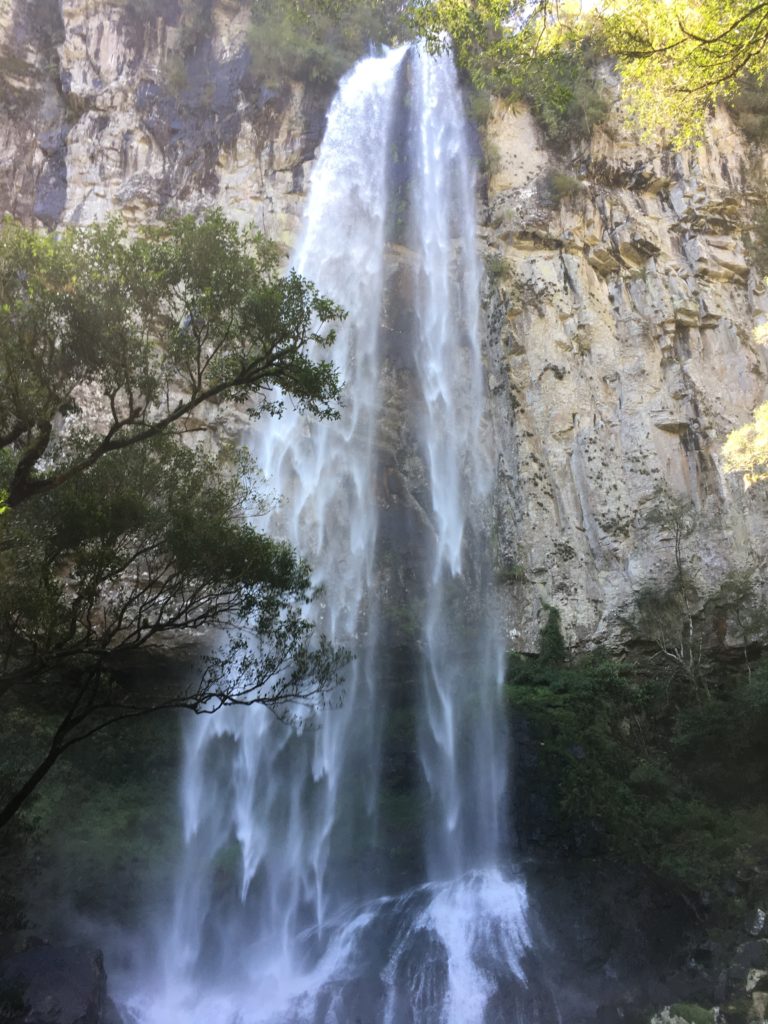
(116,534)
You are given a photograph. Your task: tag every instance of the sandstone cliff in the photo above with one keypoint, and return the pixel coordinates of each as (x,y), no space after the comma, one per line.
(621,300)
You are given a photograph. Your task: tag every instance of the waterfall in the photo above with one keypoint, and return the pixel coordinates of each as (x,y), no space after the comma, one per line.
(357,868)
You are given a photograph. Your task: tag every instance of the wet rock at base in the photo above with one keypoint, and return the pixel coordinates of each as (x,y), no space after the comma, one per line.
(55,985)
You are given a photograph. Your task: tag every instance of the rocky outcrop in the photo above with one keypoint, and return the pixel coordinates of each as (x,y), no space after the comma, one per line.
(622,314)
(55,985)
(621,298)
(120,108)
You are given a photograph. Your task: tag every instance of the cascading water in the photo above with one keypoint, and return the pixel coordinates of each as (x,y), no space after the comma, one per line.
(296,839)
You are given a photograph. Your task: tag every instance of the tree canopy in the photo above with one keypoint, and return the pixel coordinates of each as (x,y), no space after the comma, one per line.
(318,40)
(680,57)
(145,331)
(117,532)
(676,57)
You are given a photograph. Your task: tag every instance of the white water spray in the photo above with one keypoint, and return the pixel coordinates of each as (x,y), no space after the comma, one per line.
(282,912)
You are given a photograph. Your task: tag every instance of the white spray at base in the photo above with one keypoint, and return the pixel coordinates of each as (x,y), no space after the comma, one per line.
(282,911)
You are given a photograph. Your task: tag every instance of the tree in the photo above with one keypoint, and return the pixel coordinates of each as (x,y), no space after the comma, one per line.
(552,649)
(669,615)
(318,40)
(494,41)
(145,331)
(676,58)
(116,534)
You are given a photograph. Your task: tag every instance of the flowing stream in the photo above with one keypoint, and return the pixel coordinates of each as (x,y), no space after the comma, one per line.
(358,871)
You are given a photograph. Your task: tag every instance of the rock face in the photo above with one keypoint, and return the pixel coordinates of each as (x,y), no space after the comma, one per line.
(621,299)
(622,316)
(128,108)
(54,985)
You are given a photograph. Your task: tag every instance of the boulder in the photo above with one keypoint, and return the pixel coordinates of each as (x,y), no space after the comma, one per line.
(55,985)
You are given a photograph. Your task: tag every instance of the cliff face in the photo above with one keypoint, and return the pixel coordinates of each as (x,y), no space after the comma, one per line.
(109,109)
(621,353)
(621,303)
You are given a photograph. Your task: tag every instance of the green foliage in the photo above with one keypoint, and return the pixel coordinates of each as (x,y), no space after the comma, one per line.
(497,266)
(317,40)
(565,95)
(149,542)
(749,107)
(562,185)
(175,74)
(511,574)
(638,756)
(479,105)
(514,50)
(746,449)
(676,58)
(552,649)
(490,159)
(488,49)
(680,57)
(12,1000)
(116,531)
(196,310)
(121,842)
(692,1013)
(756,239)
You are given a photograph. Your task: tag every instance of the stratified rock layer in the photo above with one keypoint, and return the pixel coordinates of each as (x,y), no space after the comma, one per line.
(621,347)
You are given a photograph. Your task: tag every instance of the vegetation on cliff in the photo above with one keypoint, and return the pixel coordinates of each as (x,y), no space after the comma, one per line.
(656,770)
(318,40)
(676,58)
(746,450)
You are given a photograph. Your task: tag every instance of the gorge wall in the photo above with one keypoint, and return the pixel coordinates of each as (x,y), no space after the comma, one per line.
(621,298)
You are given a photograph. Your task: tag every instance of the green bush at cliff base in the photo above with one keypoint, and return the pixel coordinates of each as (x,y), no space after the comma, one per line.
(692,1012)
(317,40)
(661,778)
(562,185)
(107,859)
(552,649)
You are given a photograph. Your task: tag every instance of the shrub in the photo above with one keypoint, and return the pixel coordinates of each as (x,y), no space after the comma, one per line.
(490,156)
(757,237)
(479,106)
(497,267)
(317,40)
(693,1013)
(665,781)
(563,185)
(552,649)
(565,95)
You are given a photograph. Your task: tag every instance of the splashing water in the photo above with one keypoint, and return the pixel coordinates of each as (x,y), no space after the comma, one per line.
(293,839)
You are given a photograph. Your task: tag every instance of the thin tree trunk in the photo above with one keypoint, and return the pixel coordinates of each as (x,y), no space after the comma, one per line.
(20,797)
